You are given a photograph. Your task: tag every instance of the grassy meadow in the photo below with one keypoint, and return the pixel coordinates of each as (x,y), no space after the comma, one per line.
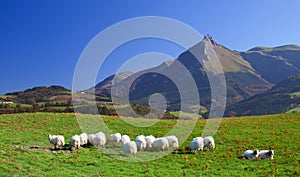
(25,150)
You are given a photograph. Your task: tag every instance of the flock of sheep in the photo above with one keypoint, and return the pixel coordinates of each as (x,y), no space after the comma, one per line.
(147,143)
(141,143)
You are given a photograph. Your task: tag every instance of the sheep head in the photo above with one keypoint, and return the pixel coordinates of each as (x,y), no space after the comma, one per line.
(271,153)
(49,137)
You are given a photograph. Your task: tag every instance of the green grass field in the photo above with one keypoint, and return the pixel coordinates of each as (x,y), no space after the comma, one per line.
(22,133)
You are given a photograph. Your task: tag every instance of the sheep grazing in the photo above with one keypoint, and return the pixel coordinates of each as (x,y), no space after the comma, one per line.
(173,141)
(149,141)
(160,144)
(125,138)
(197,144)
(249,154)
(91,138)
(266,154)
(114,138)
(129,147)
(74,142)
(83,139)
(209,142)
(56,140)
(141,142)
(99,139)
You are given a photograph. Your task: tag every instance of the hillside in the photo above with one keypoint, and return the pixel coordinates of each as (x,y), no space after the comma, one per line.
(37,99)
(274,64)
(40,94)
(280,99)
(26,151)
(103,87)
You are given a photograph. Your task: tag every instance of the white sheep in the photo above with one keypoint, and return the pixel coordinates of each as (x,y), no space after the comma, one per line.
(141,142)
(74,142)
(99,139)
(125,138)
(160,144)
(91,138)
(129,147)
(149,141)
(250,154)
(173,141)
(114,138)
(83,139)
(56,140)
(197,144)
(266,154)
(209,142)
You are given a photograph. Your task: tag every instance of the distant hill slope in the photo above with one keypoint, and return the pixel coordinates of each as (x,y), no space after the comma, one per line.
(40,94)
(103,87)
(274,64)
(281,98)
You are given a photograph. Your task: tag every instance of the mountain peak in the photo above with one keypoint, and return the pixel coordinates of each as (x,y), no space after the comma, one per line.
(208,38)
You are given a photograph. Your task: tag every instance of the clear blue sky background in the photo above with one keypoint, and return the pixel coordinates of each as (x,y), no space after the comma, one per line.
(41,41)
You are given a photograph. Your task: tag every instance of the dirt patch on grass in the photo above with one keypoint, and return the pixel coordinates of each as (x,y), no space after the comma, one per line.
(49,149)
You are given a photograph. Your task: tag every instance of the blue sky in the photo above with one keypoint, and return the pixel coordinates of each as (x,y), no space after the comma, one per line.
(41,41)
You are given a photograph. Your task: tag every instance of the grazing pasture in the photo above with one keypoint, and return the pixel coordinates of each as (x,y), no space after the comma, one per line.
(26,151)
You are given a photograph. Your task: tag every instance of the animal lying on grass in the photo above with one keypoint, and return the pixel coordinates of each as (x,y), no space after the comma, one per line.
(266,154)
(250,154)
(256,154)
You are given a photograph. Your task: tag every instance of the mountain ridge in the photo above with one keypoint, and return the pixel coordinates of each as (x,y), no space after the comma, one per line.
(250,75)
(236,69)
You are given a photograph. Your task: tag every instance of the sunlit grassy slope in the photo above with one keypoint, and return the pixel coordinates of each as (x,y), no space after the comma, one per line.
(19,132)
